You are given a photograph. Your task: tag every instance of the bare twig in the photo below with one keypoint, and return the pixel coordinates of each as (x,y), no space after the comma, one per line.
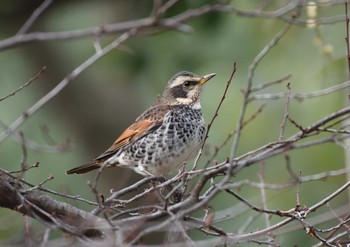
(27,168)
(203,225)
(39,185)
(347,38)
(46,209)
(275,148)
(286,114)
(289,168)
(77,71)
(247,90)
(284,222)
(37,76)
(176,22)
(27,25)
(35,146)
(78,198)
(228,83)
(166,6)
(330,197)
(146,25)
(324,175)
(270,83)
(305,179)
(23,164)
(124,191)
(232,133)
(297,205)
(261,176)
(301,96)
(45,238)
(251,206)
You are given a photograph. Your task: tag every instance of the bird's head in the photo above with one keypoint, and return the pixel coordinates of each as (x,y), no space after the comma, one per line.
(185,88)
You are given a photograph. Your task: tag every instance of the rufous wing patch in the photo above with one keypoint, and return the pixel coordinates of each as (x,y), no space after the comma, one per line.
(135,131)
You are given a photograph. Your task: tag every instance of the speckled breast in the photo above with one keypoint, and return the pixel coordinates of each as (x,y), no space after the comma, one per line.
(178,140)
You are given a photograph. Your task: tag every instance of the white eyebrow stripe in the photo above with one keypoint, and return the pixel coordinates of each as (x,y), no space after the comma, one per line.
(181,79)
(178,81)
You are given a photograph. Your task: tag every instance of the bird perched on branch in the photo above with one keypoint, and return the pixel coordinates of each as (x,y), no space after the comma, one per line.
(165,136)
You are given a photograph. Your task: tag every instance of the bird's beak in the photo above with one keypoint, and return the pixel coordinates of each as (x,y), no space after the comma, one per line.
(206,78)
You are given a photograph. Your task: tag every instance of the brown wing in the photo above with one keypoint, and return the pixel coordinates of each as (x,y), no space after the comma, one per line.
(145,124)
(148,122)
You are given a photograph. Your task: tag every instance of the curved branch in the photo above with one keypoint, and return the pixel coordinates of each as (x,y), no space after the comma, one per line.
(49,211)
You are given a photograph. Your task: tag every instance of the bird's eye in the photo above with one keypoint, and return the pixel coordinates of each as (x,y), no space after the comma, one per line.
(187,83)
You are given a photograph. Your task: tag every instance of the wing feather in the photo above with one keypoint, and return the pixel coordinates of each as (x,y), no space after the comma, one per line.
(147,123)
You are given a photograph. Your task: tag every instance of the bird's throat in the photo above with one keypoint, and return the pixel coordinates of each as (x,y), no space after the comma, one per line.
(185,101)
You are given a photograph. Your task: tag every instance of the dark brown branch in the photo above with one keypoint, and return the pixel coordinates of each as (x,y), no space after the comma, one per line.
(54,213)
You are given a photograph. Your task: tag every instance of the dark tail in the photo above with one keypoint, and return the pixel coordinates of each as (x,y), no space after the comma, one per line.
(84,168)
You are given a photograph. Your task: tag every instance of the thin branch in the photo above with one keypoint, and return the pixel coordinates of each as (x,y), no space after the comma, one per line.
(289,168)
(284,222)
(333,239)
(27,168)
(347,38)
(301,96)
(37,76)
(61,85)
(146,25)
(324,175)
(286,113)
(203,225)
(228,83)
(29,23)
(124,191)
(305,179)
(166,6)
(270,83)
(297,193)
(275,148)
(45,238)
(261,176)
(48,210)
(251,206)
(247,90)
(39,185)
(330,197)
(232,133)
(78,198)
(149,25)
(35,146)
(24,158)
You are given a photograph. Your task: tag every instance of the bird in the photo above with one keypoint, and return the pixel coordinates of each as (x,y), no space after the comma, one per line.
(163,138)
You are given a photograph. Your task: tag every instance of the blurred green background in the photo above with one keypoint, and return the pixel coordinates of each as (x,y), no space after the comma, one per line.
(96,107)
